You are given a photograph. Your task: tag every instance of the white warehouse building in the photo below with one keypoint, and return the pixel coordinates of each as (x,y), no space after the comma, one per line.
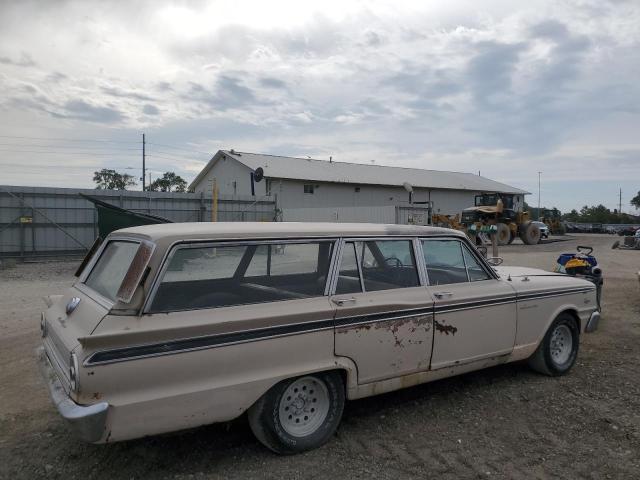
(320,190)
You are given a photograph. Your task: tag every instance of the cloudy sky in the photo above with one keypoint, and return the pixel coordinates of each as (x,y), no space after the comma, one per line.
(506,88)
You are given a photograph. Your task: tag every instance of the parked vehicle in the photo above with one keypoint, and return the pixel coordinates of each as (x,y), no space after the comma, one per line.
(544,229)
(628,231)
(503,211)
(179,325)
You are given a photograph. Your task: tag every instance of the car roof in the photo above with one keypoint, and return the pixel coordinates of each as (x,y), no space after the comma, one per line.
(172,232)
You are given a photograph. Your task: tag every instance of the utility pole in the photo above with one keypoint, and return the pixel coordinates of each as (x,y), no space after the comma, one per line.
(620,203)
(143,163)
(539,173)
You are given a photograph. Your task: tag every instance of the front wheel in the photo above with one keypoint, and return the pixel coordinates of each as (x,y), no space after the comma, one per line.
(558,350)
(299,414)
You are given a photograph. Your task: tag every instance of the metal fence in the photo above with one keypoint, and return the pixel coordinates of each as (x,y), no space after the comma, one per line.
(42,221)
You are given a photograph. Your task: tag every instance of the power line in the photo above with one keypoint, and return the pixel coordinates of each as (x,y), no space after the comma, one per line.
(47,152)
(69,139)
(29,145)
(32,165)
(156,155)
(178,148)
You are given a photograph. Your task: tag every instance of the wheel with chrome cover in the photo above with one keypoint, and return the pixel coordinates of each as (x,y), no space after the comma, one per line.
(558,350)
(299,414)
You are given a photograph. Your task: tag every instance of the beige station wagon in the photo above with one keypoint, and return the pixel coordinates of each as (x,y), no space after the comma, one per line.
(178,325)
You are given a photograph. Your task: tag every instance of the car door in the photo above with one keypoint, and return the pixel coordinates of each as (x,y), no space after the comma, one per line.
(383,312)
(475,312)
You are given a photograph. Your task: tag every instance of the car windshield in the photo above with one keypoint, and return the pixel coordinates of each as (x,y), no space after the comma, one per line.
(112,267)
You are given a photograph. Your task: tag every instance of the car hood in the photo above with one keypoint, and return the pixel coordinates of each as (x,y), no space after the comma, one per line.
(528,280)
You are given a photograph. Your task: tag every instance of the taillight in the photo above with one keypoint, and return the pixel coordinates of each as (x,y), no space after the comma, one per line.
(73,373)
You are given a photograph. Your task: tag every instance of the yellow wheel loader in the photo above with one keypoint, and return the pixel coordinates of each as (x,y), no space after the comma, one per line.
(552,217)
(498,209)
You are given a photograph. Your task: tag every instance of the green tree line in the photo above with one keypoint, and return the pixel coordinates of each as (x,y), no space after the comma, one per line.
(107,179)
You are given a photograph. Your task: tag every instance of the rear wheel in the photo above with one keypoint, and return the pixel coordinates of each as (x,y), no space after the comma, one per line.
(503,233)
(299,414)
(558,350)
(530,233)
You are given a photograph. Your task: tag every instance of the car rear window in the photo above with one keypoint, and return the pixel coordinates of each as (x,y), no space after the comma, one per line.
(112,267)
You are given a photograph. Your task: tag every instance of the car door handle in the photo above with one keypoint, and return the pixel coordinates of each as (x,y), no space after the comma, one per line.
(443,294)
(343,301)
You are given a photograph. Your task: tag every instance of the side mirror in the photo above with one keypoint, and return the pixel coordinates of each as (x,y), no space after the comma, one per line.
(495,261)
(483,250)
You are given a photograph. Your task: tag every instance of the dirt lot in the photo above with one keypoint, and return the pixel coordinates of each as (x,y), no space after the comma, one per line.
(505,422)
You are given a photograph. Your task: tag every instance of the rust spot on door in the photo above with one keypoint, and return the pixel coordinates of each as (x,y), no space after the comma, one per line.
(446,329)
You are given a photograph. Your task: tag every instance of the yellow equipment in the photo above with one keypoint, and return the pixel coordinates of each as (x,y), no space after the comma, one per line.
(552,217)
(498,209)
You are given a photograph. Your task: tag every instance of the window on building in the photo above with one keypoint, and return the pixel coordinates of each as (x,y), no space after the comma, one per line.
(357,189)
(308,188)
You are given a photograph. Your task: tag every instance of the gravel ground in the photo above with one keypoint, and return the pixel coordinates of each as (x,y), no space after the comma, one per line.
(504,422)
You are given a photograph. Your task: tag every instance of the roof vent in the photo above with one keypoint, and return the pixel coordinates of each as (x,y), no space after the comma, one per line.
(233,152)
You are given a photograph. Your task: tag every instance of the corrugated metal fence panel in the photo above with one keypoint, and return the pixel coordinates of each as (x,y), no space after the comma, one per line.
(377,214)
(59,221)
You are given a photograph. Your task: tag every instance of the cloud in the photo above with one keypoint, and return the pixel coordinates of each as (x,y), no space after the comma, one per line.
(85,111)
(150,110)
(414,84)
(24,60)
(119,92)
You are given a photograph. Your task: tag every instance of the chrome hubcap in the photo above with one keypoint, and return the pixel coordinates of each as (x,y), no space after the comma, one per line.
(304,406)
(561,344)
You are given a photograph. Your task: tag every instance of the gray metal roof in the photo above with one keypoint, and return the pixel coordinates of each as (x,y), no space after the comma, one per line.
(362,174)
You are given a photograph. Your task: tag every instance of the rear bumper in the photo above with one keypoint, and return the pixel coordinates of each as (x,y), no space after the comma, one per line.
(592,323)
(87,422)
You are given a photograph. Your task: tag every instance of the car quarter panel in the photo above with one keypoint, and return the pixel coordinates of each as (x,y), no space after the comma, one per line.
(541,299)
(202,366)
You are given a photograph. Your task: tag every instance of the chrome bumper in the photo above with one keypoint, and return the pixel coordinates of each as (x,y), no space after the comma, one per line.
(88,422)
(592,324)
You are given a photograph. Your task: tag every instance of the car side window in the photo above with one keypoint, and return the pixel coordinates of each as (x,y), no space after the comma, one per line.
(445,262)
(475,270)
(387,264)
(219,276)
(450,261)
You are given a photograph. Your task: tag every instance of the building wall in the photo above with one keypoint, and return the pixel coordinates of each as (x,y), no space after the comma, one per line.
(233,179)
(291,194)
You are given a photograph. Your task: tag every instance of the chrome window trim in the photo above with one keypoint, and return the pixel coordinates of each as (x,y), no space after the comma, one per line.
(464,261)
(336,267)
(420,262)
(186,244)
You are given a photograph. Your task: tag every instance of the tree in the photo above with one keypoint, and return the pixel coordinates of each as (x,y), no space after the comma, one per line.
(168,182)
(107,179)
(635,201)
